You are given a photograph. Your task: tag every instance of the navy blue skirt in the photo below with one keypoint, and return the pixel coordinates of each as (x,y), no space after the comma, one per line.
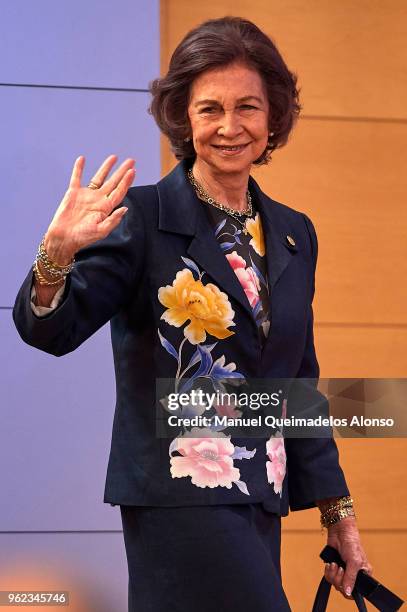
(203,558)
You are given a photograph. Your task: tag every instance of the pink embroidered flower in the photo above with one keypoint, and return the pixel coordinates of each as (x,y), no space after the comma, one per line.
(206,459)
(247,277)
(235,260)
(276,467)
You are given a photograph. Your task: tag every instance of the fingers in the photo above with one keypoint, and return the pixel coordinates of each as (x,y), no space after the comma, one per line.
(108,225)
(366,566)
(118,194)
(350,577)
(335,575)
(344,581)
(77,171)
(117,176)
(101,174)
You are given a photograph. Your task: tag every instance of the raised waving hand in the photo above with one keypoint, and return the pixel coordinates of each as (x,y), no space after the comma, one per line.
(86,214)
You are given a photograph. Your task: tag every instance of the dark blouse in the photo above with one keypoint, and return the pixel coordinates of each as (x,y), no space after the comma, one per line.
(246,254)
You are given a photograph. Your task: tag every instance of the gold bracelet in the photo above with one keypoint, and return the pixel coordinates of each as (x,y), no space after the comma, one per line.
(42,280)
(52,267)
(335,517)
(338,510)
(337,507)
(341,502)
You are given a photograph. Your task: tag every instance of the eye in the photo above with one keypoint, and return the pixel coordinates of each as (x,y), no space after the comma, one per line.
(247,107)
(208,109)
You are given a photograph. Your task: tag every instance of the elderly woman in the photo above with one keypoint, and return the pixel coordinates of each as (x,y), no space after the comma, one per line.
(203,277)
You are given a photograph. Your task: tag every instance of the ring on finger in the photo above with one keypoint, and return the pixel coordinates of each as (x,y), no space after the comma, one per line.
(93,185)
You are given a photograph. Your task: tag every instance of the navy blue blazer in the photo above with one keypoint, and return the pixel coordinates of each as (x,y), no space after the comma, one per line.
(164,244)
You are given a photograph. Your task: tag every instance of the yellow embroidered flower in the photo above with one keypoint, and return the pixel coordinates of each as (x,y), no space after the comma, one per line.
(205,306)
(255,229)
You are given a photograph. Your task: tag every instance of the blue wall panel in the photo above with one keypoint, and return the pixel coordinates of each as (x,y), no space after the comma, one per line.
(46,129)
(81,43)
(58,62)
(56,420)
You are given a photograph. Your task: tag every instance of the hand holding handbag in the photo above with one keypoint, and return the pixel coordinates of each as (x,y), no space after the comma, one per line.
(365,587)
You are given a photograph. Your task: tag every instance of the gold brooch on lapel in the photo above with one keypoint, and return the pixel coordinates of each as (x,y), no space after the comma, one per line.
(290,240)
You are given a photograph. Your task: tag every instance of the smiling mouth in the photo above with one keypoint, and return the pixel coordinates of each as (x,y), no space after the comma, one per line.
(230,147)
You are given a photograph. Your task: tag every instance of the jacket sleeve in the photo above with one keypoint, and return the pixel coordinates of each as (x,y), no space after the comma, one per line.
(104,277)
(313,466)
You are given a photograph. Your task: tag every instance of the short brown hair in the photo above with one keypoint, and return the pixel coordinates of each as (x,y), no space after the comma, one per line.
(215,43)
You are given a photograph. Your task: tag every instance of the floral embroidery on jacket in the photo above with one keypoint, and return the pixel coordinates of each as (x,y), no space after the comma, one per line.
(255,229)
(209,458)
(206,307)
(246,255)
(247,277)
(208,455)
(276,467)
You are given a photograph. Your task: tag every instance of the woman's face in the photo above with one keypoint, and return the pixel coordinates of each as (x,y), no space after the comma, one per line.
(228,111)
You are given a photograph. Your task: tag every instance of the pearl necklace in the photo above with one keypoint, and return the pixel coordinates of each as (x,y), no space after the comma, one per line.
(235,214)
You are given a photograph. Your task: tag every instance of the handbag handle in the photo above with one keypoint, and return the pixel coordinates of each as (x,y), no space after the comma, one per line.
(322,596)
(365,586)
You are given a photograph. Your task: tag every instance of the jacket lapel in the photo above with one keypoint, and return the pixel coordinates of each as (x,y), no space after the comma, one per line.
(181,212)
(279,251)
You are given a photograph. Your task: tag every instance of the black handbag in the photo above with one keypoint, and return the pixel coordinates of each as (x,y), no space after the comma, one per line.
(366,587)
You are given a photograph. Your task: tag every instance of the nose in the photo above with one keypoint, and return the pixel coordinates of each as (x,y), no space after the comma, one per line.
(230,125)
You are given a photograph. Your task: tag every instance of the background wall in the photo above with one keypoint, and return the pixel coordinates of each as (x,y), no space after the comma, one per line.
(345,167)
(73,80)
